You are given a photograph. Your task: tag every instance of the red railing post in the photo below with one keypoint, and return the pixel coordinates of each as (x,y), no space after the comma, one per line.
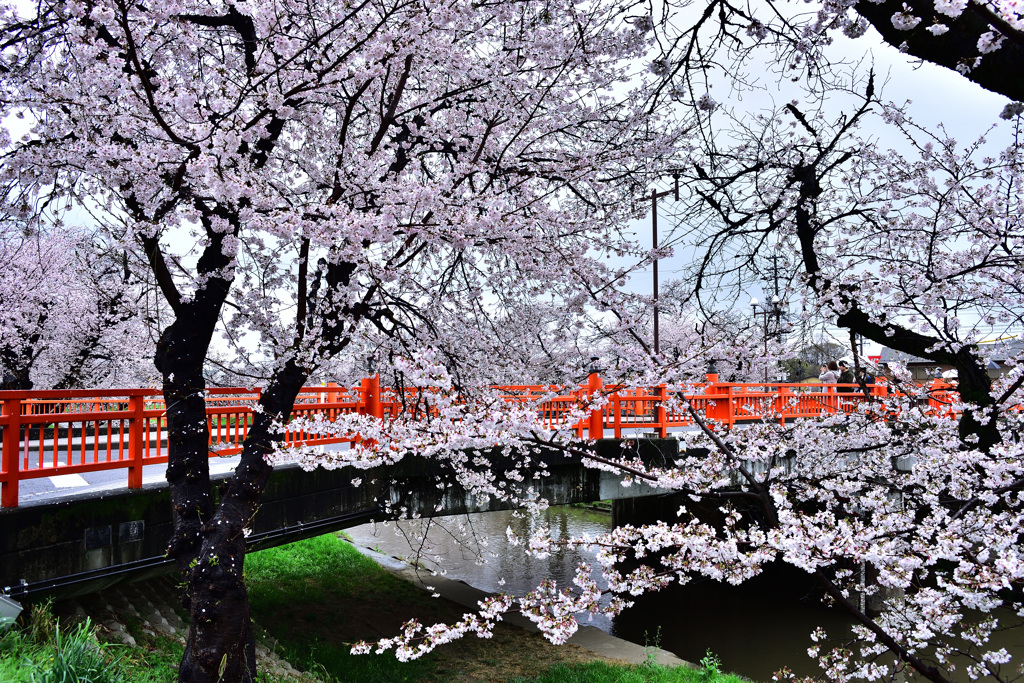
(369,399)
(373,404)
(724,410)
(331,397)
(662,412)
(364,391)
(362,403)
(617,402)
(579,426)
(136,423)
(782,404)
(595,426)
(711,407)
(12,453)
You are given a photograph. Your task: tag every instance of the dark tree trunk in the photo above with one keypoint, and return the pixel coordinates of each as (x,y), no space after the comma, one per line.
(16,379)
(208,544)
(221,644)
(16,361)
(72,378)
(180,354)
(975,386)
(973,382)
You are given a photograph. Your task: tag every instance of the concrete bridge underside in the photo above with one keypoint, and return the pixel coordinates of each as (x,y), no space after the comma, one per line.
(88,542)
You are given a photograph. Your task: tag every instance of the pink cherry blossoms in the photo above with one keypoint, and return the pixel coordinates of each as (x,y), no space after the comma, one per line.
(440,193)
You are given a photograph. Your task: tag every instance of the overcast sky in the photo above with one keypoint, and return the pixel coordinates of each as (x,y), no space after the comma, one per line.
(937,96)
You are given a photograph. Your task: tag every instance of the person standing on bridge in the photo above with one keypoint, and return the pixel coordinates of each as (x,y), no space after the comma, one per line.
(866,380)
(829,373)
(845,377)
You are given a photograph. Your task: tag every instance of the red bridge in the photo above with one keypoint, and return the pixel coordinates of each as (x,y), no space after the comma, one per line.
(48,433)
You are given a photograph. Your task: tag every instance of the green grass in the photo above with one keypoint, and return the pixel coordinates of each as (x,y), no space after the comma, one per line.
(302,571)
(600,672)
(45,653)
(300,590)
(155,658)
(18,653)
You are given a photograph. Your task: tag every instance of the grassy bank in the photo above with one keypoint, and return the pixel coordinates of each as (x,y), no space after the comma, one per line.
(41,651)
(312,599)
(602,672)
(319,596)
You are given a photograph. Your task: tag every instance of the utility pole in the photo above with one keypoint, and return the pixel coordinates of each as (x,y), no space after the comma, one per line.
(769,310)
(655,196)
(775,273)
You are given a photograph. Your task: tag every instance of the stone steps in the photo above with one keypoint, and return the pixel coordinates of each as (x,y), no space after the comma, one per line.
(154,604)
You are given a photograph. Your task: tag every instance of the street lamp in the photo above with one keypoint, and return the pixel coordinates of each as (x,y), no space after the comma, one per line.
(655,196)
(768,310)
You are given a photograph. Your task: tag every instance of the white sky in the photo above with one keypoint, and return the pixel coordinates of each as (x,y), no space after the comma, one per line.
(936,95)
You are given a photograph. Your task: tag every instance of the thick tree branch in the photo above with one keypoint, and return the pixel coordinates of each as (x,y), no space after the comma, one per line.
(957,49)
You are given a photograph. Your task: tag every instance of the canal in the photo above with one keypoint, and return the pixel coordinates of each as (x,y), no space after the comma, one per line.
(755,629)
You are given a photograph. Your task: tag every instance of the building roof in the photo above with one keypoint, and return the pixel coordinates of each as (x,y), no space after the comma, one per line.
(998,351)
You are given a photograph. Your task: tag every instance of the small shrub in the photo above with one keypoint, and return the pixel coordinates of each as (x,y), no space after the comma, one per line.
(77,658)
(710,666)
(42,624)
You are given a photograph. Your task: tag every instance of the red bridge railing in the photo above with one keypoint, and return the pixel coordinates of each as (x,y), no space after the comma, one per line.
(52,433)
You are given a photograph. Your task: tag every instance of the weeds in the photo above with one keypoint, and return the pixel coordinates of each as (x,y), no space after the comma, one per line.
(77,658)
(41,623)
(651,645)
(710,667)
(45,653)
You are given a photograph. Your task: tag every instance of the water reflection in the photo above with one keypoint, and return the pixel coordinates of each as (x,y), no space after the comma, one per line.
(755,629)
(475,549)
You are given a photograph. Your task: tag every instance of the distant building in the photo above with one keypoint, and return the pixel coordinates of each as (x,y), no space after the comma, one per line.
(922,369)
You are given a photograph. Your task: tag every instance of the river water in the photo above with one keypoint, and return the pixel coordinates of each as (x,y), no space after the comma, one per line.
(755,629)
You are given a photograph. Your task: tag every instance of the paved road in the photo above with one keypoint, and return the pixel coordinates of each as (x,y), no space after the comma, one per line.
(65,485)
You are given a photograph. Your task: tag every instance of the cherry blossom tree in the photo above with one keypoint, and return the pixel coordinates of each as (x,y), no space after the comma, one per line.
(70,315)
(912,251)
(906,510)
(306,176)
(980,40)
(315,180)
